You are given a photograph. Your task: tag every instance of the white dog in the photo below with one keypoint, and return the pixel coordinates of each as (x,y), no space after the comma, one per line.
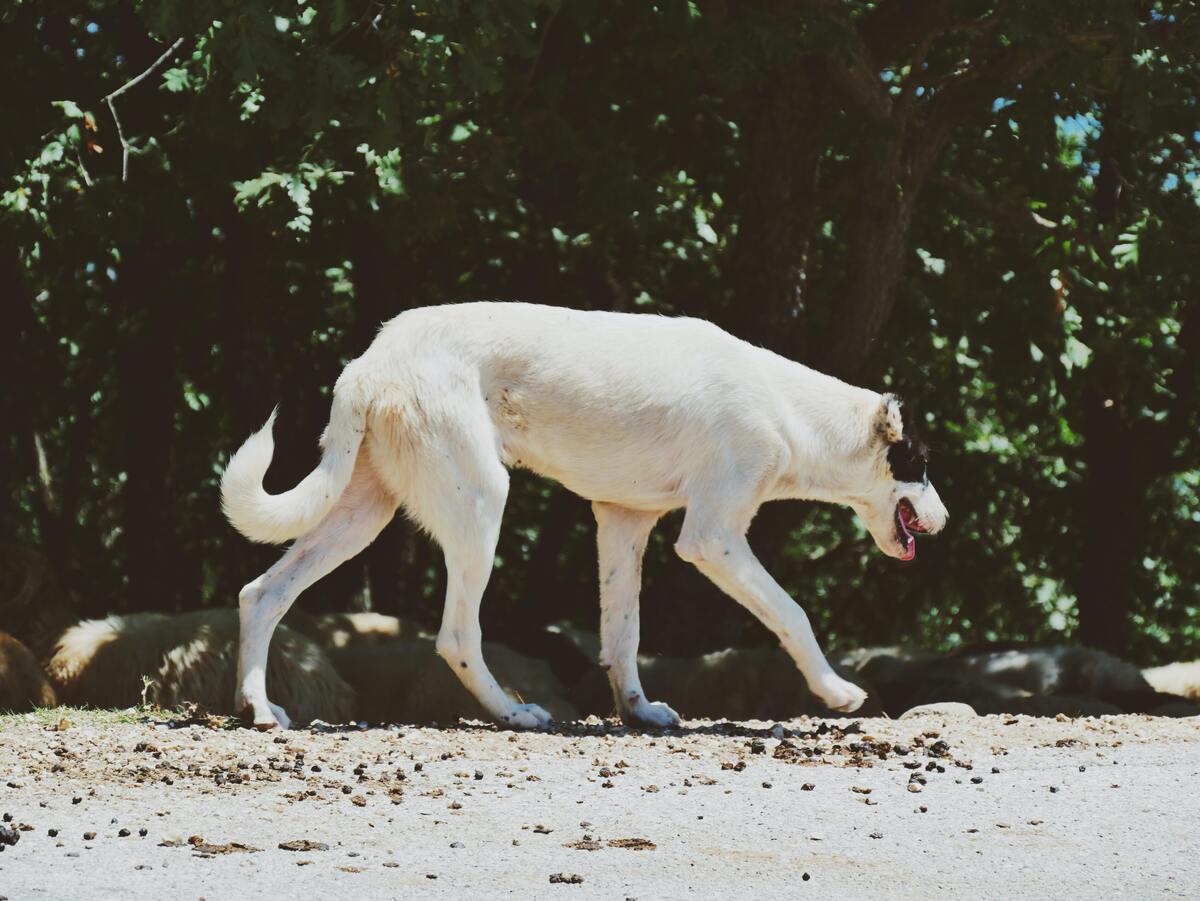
(640,414)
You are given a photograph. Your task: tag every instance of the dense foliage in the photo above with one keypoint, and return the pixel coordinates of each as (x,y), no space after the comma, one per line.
(989,207)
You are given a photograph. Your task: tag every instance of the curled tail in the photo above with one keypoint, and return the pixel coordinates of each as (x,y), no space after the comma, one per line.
(276,518)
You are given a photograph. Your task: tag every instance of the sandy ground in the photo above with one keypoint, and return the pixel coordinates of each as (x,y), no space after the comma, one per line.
(1009,807)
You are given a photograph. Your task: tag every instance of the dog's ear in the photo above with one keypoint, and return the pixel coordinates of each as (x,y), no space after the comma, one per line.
(891,418)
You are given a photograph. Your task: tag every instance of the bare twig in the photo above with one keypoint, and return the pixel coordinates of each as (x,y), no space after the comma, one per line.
(87,178)
(132,83)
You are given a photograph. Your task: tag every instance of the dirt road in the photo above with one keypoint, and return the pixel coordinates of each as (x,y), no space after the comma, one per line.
(986,807)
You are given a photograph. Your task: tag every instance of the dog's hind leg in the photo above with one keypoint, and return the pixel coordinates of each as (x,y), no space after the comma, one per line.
(458,493)
(362,511)
(716,544)
(621,536)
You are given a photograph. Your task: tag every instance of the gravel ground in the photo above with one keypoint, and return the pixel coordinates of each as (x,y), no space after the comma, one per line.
(979,807)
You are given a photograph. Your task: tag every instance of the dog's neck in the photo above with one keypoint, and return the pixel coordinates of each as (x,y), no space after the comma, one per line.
(832,436)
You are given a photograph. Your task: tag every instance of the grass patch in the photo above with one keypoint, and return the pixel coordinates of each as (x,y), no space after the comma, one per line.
(89,716)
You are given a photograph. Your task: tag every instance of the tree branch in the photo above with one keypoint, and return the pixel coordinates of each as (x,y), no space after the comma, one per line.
(1012,214)
(856,73)
(897,24)
(132,83)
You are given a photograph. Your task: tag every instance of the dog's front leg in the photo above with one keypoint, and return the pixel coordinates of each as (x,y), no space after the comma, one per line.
(721,552)
(621,536)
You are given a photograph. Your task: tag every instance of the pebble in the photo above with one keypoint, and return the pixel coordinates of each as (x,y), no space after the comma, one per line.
(949,708)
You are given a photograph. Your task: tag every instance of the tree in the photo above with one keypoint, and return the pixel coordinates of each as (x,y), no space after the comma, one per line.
(982,205)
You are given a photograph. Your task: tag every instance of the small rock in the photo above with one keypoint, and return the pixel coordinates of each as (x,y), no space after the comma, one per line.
(807,787)
(976,780)
(947,709)
(89,836)
(566,878)
(915,787)
(303,844)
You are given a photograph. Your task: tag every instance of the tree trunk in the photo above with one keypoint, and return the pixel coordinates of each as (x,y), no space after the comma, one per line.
(148,285)
(1115,488)
(777,209)
(878,241)
(17,367)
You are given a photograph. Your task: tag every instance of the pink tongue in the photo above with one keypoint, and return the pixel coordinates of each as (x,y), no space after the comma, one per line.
(910,546)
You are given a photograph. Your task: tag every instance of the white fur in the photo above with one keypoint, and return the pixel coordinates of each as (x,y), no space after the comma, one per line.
(639,414)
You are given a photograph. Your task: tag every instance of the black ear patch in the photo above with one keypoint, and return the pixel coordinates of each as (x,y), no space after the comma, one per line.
(908,458)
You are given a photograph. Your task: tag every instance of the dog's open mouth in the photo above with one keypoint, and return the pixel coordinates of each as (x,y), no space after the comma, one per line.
(907,523)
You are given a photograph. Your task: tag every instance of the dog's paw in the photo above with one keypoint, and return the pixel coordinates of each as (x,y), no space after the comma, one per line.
(281,718)
(651,715)
(527,716)
(264,716)
(838,694)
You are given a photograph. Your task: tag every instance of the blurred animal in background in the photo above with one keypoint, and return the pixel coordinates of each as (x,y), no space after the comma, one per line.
(34,607)
(154,658)
(343,630)
(1014,679)
(23,685)
(734,684)
(1181,679)
(403,681)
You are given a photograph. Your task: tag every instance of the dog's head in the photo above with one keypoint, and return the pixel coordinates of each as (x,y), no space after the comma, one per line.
(902,501)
